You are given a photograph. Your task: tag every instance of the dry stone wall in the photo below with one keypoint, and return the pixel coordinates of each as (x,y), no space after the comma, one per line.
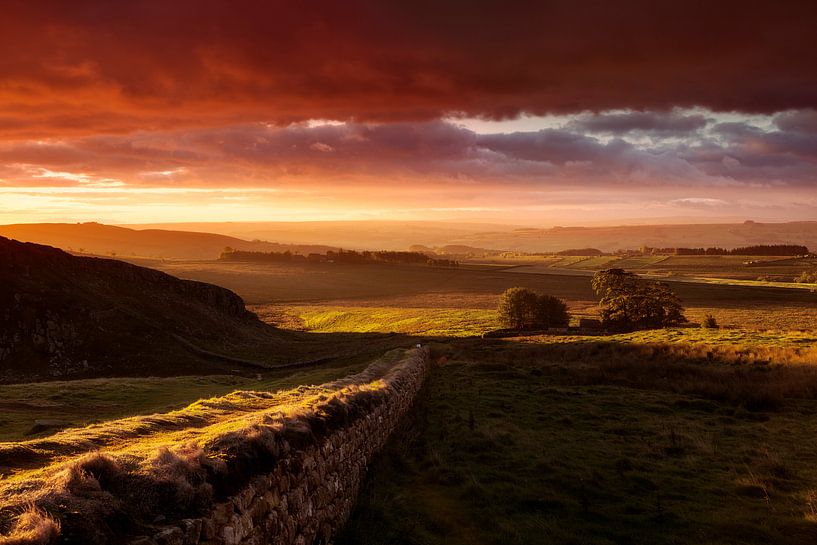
(311,491)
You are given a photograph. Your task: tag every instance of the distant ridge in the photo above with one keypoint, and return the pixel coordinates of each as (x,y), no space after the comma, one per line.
(71,317)
(100,239)
(623,237)
(455,238)
(400,235)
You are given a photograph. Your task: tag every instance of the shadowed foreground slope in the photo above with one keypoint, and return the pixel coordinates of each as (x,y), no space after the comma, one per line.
(70,317)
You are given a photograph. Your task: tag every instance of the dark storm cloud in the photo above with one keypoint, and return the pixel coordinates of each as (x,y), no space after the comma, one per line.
(100,66)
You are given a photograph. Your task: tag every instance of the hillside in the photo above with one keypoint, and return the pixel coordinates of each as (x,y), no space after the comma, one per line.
(609,239)
(96,238)
(400,235)
(70,317)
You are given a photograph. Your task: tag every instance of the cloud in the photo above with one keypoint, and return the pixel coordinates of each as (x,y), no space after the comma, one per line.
(662,123)
(431,154)
(797,121)
(699,202)
(114,67)
(320,146)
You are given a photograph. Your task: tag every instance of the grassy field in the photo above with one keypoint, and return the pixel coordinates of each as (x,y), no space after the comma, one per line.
(682,435)
(509,450)
(595,263)
(82,402)
(757,304)
(424,322)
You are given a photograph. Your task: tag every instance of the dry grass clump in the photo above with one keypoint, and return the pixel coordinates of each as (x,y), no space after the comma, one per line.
(99,495)
(32,527)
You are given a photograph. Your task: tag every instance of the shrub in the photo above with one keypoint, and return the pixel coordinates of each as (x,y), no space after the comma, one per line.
(807,277)
(709,322)
(550,311)
(521,308)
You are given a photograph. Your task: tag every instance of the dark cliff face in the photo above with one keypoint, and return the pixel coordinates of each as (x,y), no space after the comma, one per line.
(63,316)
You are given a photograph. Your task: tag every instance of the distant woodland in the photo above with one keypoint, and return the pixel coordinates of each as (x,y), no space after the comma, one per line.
(763,249)
(340,256)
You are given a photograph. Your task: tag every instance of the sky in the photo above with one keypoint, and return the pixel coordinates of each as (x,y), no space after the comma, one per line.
(544,113)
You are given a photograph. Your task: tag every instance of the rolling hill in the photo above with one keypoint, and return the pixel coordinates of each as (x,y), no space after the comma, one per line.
(400,235)
(621,237)
(96,238)
(65,316)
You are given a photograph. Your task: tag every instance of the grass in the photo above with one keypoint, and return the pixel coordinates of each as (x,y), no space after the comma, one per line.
(411,321)
(747,339)
(570,260)
(511,448)
(82,402)
(670,436)
(598,262)
(754,305)
(639,262)
(175,463)
(779,322)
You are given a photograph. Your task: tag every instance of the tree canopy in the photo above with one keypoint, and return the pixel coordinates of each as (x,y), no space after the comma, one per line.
(521,308)
(629,303)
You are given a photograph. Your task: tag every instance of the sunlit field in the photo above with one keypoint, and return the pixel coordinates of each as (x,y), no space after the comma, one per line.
(425,322)
(753,304)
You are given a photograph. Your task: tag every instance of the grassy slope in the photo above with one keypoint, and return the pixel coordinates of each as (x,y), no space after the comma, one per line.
(197,422)
(83,402)
(507,454)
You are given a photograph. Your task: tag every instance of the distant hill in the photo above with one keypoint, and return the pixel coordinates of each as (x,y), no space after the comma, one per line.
(610,239)
(453,239)
(400,235)
(63,316)
(349,235)
(99,239)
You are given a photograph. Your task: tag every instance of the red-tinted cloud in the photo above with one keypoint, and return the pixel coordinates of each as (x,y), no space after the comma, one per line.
(105,66)
(434,155)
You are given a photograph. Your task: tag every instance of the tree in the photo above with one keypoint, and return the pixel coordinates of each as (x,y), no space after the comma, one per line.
(516,307)
(550,312)
(629,303)
(521,308)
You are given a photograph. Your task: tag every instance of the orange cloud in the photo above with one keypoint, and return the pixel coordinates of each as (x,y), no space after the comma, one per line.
(110,67)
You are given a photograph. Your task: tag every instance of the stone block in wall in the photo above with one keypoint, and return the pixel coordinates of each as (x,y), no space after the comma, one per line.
(170,536)
(228,536)
(222,513)
(208,529)
(142,541)
(191,528)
